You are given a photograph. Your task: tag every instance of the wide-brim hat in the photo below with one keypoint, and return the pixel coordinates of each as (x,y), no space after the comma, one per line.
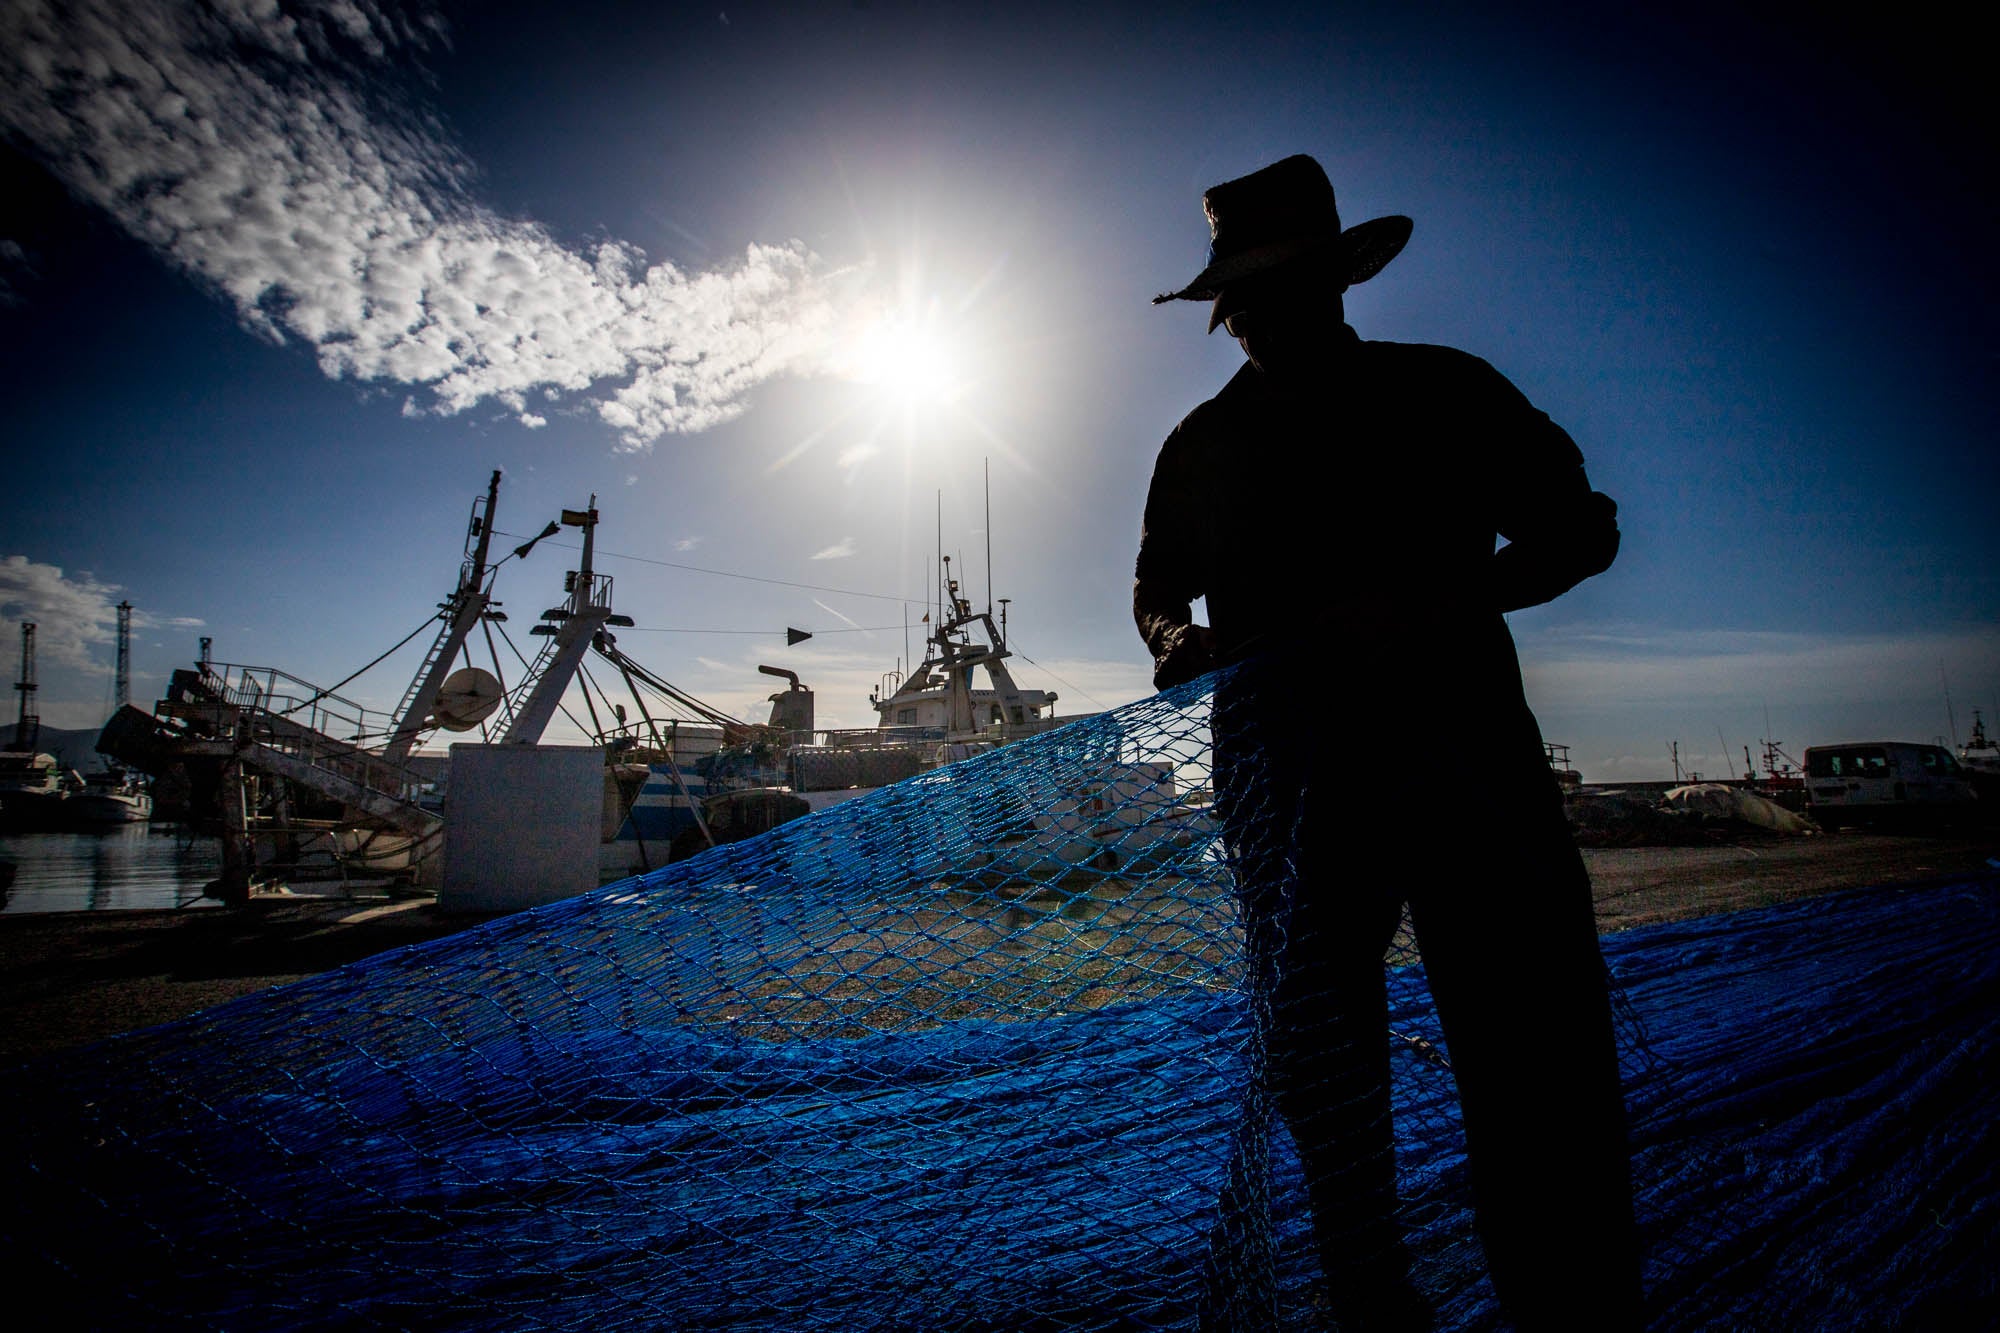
(1280,213)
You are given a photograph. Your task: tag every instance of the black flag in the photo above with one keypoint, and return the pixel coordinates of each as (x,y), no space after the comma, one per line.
(793,636)
(529,545)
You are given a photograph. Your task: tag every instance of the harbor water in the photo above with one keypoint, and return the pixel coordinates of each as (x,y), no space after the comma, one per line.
(134,866)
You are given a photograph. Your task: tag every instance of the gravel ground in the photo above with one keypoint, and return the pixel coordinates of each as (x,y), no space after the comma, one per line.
(72,977)
(1637,886)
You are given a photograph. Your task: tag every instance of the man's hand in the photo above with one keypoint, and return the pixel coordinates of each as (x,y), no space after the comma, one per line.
(1190,653)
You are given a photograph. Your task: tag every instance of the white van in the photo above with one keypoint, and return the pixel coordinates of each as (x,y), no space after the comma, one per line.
(1885,780)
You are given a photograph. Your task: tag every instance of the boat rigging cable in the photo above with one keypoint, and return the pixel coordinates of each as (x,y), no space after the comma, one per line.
(526,685)
(760,633)
(726,574)
(442,613)
(1052,675)
(328,690)
(590,705)
(608,648)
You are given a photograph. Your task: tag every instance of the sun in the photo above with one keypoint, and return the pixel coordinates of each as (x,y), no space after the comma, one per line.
(909,361)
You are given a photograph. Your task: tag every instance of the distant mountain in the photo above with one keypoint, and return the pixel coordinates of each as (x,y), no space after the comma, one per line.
(75,749)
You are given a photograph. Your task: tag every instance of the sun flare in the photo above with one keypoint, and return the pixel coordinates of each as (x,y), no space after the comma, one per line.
(908,362)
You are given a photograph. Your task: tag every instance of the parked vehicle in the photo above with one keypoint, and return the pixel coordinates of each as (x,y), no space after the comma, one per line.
(1886,781)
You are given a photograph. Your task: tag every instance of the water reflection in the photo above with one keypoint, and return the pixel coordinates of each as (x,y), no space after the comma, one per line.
(135,866)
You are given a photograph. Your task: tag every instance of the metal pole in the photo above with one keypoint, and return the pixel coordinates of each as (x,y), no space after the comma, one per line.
(124,682)
(28,728)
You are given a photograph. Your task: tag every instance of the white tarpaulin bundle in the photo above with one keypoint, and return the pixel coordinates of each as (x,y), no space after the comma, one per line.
(1717,801)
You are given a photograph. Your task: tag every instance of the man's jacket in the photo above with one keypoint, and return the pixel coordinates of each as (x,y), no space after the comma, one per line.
(1351,524)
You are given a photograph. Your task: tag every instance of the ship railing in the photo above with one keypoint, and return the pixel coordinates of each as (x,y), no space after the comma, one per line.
(871,737)
(321,728)
(678,738)
(1036,726)
(284,695)
(864,738)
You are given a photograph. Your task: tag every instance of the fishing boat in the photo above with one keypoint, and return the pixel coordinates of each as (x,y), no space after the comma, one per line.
(34,788)
(1979,753)
(308,784)
(959,702)
(108,799)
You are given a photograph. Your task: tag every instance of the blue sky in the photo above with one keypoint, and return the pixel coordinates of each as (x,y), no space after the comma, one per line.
(282,284)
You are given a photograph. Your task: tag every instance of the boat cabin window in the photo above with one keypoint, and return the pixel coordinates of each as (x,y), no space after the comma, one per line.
(906,717)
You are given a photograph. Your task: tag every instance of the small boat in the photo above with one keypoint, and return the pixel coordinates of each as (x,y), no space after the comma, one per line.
(1979,753)
(33,791)
(108,799)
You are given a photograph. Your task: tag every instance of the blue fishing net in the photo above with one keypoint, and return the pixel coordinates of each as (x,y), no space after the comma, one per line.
(977,1051)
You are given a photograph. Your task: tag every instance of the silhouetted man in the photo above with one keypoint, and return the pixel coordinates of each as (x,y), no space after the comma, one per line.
(1338,504)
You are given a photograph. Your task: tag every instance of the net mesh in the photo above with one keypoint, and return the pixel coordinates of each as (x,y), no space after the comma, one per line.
(984,1049)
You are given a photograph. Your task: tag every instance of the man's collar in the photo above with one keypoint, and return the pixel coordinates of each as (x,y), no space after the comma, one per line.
(1248,379)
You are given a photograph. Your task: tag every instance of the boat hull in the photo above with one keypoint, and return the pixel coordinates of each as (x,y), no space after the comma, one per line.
(105,810)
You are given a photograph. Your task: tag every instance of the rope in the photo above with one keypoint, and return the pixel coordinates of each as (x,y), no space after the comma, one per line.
(323,693)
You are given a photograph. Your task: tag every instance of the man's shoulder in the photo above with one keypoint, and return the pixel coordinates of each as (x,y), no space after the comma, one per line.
(1452,379)
(1214,413)
(1423,358)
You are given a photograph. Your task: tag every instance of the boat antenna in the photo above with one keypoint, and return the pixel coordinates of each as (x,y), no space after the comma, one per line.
(989,534)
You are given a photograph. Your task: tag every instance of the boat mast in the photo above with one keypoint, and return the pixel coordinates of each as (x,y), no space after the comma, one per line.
(953,655)
(1950,716)
(460,612)
(573,625)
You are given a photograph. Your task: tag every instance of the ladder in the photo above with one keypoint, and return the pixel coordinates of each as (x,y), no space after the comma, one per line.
(439,646)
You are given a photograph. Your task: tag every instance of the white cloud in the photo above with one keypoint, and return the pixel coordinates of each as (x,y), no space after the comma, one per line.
(76,620)
(533,422)
(687,543)
(840,550)
(72,614)
(325,212)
